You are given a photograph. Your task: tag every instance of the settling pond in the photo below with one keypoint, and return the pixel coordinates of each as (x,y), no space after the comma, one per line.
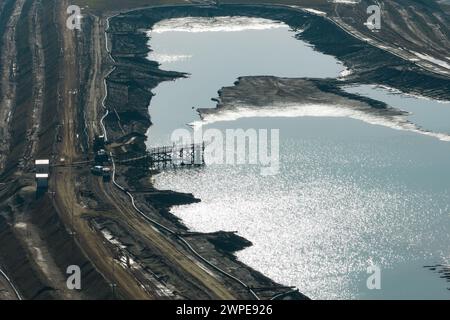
(349,194)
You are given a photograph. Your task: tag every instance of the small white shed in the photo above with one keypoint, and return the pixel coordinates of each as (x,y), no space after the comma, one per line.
(42,166)
(42,180)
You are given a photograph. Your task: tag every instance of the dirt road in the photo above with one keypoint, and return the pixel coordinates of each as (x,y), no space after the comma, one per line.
(66,181)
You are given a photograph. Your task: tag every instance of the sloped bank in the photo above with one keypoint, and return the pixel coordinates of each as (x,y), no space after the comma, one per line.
(36,245)
(130,91)
(130,84)
(306,96)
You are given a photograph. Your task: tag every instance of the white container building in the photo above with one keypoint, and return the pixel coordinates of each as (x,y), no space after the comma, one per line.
(42,166)
(42,180)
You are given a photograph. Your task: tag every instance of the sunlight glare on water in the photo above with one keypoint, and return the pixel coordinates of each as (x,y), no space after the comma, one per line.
(348,194)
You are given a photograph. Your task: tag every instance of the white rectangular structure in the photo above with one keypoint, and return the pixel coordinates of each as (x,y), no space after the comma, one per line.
(42,180)
(42,166)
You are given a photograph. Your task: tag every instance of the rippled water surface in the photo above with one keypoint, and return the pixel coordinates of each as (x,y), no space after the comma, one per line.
(349,194)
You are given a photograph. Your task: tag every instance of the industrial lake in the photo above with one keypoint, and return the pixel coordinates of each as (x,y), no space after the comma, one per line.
(351,193)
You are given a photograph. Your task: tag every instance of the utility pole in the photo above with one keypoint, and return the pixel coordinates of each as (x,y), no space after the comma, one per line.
(72,214)
(113,290)
(113,284)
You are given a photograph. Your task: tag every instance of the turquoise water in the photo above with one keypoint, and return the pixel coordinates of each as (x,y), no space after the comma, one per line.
(349,194)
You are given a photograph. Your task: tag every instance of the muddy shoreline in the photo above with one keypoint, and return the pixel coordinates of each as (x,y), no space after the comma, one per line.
(130,92)
(51,103)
